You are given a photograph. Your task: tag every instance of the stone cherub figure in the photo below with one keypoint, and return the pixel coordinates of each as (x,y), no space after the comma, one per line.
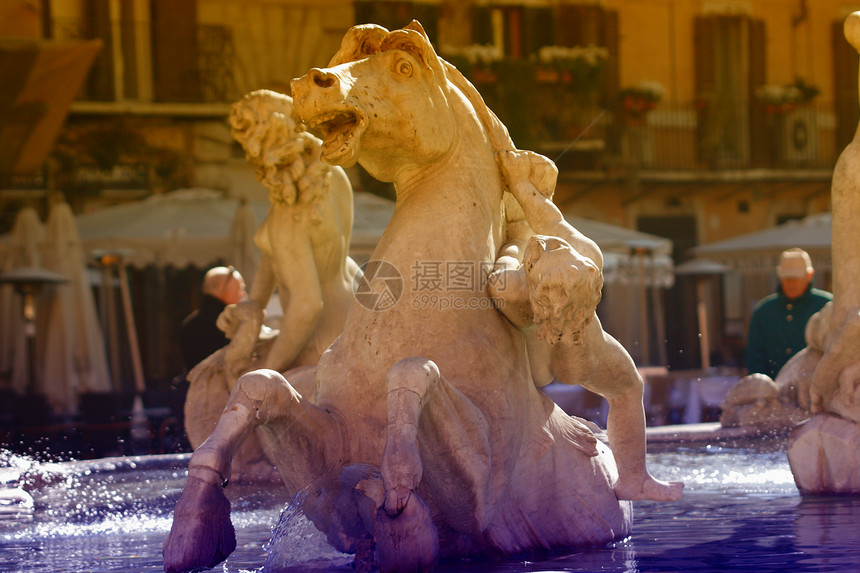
(304,242)
(552,296)
(304,238)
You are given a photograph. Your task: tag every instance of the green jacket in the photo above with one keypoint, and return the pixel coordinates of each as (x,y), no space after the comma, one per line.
(777,328)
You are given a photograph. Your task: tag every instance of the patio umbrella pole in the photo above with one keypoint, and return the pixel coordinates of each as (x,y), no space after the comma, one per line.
(659,323)
(134,347)
(109,317)
(702,310)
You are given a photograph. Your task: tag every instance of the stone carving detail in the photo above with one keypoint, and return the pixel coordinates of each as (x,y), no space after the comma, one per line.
(824,452)
(304,242)
(421,432)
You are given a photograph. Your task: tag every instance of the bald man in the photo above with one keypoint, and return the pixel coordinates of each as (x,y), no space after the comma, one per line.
(199,335)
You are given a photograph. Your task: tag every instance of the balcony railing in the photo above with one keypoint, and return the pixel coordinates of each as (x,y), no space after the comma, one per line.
(567,115)
(691,137)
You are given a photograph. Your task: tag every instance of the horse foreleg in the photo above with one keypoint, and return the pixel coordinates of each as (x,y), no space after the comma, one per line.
(201,534)
(408,383)
(406,537)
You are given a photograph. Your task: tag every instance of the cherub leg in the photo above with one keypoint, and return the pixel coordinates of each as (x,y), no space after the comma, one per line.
(621,385)
(626,429)
(201,534)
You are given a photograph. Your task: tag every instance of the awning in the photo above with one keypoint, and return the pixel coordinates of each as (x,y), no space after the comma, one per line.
(759,251)
(186,227)
(629,255)
(40,78)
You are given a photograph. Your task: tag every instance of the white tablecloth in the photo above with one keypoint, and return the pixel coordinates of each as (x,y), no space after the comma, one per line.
(704,392)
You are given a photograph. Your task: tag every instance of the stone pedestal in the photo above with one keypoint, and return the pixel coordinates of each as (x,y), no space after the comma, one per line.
(824,454)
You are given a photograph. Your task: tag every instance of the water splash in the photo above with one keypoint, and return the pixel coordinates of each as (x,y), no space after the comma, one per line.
(297,545)
(726,469)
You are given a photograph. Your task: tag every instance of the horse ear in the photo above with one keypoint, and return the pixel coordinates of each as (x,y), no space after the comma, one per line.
(413,39)
(358,43)
(416,25)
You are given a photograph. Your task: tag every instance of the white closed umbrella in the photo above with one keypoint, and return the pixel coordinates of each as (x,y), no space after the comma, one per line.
(21,251)
(74,358)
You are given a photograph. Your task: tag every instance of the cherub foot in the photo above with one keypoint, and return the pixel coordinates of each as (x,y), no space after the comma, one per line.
(408,541)
(647,487)
(201,535)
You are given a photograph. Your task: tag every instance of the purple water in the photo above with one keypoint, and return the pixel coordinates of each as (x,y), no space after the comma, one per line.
(741,512)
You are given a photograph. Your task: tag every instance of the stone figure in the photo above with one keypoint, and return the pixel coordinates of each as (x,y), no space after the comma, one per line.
(757,402)
(304,242)
(824,452)
(556,289)
(424,407)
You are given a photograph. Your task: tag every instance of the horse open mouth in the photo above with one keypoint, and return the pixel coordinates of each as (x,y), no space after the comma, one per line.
(339,130)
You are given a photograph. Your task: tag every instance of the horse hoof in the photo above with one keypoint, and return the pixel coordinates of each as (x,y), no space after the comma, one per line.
(201,535)
(408,541)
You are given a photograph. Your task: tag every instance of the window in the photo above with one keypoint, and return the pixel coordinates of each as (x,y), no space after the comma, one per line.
(729,54)
(395,15)
(174,51)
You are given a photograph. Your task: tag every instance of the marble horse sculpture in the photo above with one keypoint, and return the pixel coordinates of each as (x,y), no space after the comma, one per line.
(824,451)
(304,242)
(420,434)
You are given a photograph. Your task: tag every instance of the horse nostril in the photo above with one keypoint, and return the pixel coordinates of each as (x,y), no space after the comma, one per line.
(322,79)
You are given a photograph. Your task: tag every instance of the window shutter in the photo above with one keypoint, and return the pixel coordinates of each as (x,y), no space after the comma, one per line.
(706,81)
(174,51)
(759,142)
(482,26)
(537,29)
(705,73)
(99,86)
(609,38)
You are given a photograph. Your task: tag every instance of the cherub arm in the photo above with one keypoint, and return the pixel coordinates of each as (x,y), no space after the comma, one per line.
(301,301)
(531,180)
(242,322)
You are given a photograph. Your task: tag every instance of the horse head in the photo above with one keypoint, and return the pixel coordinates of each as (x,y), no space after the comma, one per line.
(390,103)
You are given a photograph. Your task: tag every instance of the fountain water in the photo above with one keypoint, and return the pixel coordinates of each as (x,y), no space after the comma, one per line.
(741,511)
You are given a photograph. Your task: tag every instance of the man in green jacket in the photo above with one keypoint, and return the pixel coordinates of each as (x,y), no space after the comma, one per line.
(778,321)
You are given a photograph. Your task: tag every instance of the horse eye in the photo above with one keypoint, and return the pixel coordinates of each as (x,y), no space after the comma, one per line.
(404,68)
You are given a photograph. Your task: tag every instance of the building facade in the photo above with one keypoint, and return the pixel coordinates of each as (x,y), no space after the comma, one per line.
(696,120)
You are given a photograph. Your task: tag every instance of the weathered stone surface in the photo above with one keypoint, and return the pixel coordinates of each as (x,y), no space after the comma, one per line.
(823,453)
(434,391)
(756,401)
